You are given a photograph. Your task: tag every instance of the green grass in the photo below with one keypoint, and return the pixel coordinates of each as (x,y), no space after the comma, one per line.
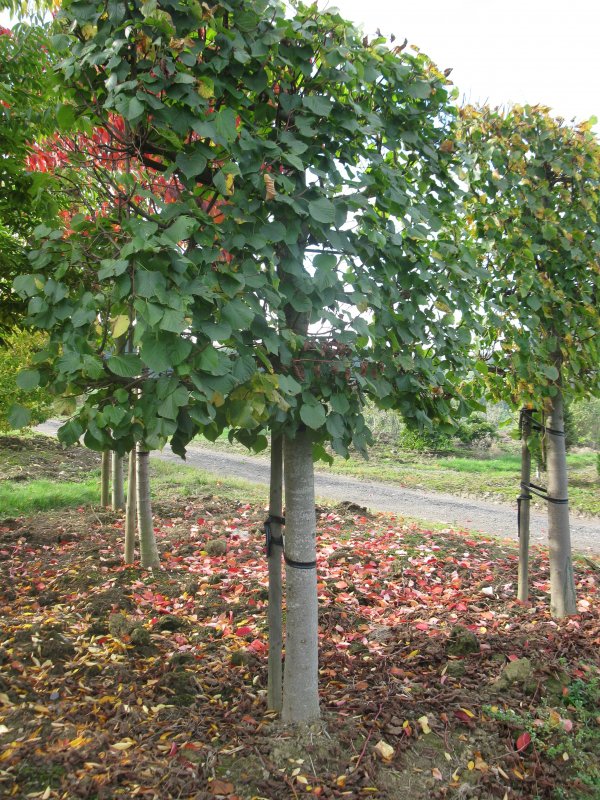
(44,495)
(170,481)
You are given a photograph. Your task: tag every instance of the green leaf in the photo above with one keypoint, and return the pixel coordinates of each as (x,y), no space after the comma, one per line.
(225,125)
(325,261)
(165,351)
(550,371)
(192,164)
(313,415)
(28,379)
(126,366)
(318,105)
(18,416)
(180,230)
(322,210)
(132,108)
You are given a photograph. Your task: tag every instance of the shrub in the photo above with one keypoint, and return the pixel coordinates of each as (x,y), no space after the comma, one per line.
(15,353)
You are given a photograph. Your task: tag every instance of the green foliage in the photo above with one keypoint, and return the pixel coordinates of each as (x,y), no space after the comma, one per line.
(276,129)
(477,431)
(534,191)
(15,353)
(586,422)
(425,441)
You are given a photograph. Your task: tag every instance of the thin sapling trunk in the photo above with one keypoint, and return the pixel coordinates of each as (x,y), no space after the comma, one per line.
(148,550)
(105,479)
(275,685)
(563,601)
(131,509)
(301,673)
(524,507)
(118,489)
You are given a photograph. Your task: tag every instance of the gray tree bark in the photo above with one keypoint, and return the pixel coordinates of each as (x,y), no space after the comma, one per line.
(118,490)
(524,509)
(300,682)
(275,685)
(563,600)
(105,479)
(148,550)
(131,509)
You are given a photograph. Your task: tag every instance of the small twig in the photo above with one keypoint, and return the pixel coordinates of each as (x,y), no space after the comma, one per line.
(362,752)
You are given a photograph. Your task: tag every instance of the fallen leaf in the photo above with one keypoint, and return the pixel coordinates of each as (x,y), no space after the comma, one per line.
(424,723)
(384,750)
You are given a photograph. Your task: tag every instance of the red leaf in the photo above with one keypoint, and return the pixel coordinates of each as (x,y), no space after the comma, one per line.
(523,740)
(243,631)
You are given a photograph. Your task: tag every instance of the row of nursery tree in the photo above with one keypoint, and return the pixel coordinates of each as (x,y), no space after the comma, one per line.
(248,216)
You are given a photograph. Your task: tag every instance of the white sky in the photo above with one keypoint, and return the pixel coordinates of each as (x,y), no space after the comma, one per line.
(501,51)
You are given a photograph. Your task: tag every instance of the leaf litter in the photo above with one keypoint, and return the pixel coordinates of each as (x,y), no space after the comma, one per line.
(117,681)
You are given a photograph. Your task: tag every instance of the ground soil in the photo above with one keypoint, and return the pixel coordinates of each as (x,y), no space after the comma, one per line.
(117,681)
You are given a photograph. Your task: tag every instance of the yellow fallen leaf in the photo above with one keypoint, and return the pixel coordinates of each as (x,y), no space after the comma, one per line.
(447,756)
(456,777)
(471,765)
(46,794)
(79,741)
(124,745)
(340,781)
(424,723)
(5,699)
(467,712)
(412,654)
(565,756)
(384,750)
(480,764)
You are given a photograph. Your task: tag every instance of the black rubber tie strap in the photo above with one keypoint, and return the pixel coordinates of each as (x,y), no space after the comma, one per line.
(537,426)
(270,540)
(542,492)
(299,564)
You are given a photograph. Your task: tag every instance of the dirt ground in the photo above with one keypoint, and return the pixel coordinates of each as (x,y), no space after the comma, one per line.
(117,681)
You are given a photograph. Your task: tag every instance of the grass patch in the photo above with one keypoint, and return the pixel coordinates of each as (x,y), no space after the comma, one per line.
(175,481)
(17,498)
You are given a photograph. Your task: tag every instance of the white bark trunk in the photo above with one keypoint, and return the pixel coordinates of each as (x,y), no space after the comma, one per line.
(275,686)
(523,587)
(300,683)
(105,479)
(118,491)
(130,514)
(562,583)
(148,550)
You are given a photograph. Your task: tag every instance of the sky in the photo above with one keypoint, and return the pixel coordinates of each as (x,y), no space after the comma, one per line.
(501,51)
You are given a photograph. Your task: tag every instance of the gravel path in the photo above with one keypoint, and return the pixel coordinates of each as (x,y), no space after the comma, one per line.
(499,519)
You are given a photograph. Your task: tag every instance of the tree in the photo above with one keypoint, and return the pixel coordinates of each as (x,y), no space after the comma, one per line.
(288,253)
(535,183)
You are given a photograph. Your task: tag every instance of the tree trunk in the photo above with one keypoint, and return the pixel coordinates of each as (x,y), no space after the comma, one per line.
(562,583)
(130,514)
(274,692)
(118,491)
(300,684)
(524,507)
(105,479)
(148,550)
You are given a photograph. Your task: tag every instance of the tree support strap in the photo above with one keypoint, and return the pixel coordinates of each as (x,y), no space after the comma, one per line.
(535,425)
(538,491)
(270,540)
(279,541)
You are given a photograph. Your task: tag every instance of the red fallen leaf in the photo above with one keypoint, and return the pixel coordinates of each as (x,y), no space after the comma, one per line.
(220,787)
(523,740)
(173,750)
(341,585)
(422,626)
(257,646)
(463,716)
(243,631)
